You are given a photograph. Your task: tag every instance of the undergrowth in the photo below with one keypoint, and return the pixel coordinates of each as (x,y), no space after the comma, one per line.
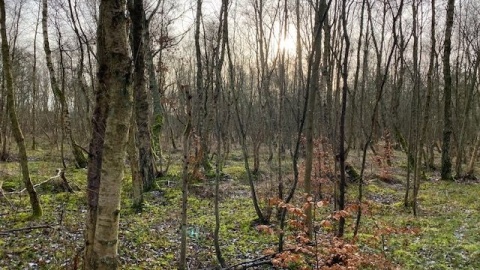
(445,235)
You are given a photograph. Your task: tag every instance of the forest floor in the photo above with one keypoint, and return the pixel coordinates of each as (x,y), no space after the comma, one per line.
(444,235)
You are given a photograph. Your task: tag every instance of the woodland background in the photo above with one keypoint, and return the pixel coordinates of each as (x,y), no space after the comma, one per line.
(262,133)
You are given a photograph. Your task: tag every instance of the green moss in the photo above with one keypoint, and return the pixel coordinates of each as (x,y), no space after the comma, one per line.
(236,172)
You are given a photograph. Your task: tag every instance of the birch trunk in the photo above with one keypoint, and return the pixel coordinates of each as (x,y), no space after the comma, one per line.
(114,78)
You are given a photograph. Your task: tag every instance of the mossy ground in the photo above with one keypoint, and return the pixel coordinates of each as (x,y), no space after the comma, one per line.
(445,234)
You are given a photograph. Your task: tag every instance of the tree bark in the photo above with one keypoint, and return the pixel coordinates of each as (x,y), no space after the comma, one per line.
(446,170)
(114,84)
(142,107)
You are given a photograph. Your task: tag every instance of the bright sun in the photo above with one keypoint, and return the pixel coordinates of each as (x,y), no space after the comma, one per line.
(288,44)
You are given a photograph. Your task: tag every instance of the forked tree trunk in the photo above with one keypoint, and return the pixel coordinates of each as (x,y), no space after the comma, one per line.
(80,160)
(17,132)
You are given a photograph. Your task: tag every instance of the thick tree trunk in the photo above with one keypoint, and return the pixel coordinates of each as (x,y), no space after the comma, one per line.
(114,83)
(17,132)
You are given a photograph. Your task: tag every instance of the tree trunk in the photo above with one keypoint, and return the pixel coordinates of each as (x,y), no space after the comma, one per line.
(219,60)
(342,184)
(113,81)
(137,183)
(464,119)
(17,132)
(142,107)
(312,86)
(34,85)
(471,164)
(430,87)
(182,264)
(446,171)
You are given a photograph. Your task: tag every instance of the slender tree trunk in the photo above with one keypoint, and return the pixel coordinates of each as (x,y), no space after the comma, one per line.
(159,121)
(137,183)
(80,160)
(355,88)
(16,130)
(34,84)
(313,84)
(415,144)
(80,68)
(430,85)
(446,170)
(343,182)
(182,264)
(281,108)
(219,60)
(142,107)
(200,109)
(460,156)
(471,164)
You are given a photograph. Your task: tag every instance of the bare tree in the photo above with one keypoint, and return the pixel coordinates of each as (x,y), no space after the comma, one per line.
(17,132)
(80,160)
(342,184)
(312,88)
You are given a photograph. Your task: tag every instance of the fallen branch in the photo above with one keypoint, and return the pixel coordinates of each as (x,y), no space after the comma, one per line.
(46,226)
(264,260)
(61,181)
